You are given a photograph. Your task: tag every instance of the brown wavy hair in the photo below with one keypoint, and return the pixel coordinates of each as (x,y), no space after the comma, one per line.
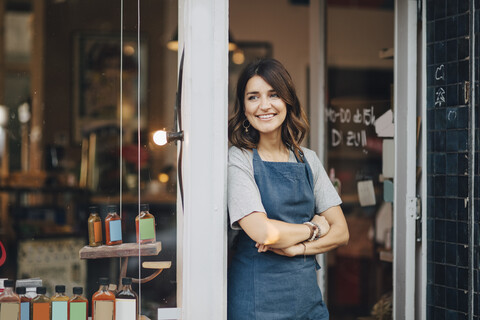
(295,126)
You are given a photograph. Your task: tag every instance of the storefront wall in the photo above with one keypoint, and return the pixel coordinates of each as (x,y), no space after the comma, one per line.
(452,160)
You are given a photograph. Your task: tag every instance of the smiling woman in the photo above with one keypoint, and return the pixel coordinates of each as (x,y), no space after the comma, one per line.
(281,199)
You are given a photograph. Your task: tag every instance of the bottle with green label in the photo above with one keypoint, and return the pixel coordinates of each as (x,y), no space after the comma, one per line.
(126,302)
(9,302)
(145,225)
(59,304)
(41,305)
(78,305)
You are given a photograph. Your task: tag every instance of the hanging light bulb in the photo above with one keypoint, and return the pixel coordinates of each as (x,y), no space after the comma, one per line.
(162,137)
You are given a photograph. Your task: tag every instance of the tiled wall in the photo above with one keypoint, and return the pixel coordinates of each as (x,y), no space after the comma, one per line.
(449,277)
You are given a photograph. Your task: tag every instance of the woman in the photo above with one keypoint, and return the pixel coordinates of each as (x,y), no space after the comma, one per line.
(280,196)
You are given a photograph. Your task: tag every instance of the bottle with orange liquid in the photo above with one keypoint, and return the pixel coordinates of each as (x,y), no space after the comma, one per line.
(103,302)
(113,227)
(41,305)
(9,302)
(25,302)
(145,225)
(94,228)
(77,305)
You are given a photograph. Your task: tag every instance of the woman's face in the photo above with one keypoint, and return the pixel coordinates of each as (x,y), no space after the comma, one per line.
(264,109)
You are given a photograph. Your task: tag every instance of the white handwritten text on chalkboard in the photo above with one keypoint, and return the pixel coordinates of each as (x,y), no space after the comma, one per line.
(363,117)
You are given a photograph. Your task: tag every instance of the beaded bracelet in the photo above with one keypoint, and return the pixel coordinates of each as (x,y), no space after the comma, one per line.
(314,230)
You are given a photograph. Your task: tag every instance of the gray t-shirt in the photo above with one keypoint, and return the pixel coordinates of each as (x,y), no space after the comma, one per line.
(243,193)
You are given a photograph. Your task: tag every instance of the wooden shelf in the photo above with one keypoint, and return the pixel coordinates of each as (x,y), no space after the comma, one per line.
(120,251)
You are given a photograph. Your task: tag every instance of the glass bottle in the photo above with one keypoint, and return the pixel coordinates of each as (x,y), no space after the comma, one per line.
(9,302)
(113,227)
(103,302)
(126,302)
(59,303)
(145,225)
(78,305)
(41,305)
(25,302)
(94,228)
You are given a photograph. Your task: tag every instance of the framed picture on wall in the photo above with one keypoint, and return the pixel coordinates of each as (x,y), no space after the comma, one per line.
(97,90)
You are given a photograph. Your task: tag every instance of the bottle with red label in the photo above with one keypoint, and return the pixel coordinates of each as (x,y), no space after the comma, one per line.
(113,227)
(94,228)
(145,225)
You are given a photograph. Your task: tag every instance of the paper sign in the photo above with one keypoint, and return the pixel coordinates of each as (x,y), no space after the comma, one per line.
(388,158)
(147,229)
(387,191)
(78,311)
(366,193)
(9,310)
(384,126)
(125,309)
(115,230)
(104,310)
(383,223)
(59,310)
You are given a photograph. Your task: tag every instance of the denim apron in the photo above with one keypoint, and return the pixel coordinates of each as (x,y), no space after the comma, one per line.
(265,285)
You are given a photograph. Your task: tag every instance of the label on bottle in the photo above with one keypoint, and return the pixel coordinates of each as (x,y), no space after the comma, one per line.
(25,311)
(9,310)
(78,311)
(125,309)
(97,231)
(41,311)
(115,230)
(103,310)
(147,229)
(59,310)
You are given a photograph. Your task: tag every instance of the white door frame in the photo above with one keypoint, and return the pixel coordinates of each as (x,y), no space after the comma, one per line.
(202,227)
(405,113)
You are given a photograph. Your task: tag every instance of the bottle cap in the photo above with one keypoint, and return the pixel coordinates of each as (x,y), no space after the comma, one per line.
(77,290)
(144,207)
(8,283)
(103,281)
(60,289)
(41,290)
(93,209)
(21,290)
(126,281)
(112,208)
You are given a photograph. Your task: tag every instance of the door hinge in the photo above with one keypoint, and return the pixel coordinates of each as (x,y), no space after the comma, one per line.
(418,220)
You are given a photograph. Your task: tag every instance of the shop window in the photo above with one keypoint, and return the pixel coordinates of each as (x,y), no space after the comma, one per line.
(72,137)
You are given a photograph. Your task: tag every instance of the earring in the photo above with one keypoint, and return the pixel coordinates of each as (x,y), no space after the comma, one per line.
(246,126)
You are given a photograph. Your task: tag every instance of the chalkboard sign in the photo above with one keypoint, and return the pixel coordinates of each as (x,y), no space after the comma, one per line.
(354,149)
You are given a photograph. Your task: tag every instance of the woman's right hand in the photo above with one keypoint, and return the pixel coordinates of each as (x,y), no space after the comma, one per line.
(322,223)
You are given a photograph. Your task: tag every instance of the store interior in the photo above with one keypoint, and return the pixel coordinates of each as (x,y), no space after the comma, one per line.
(66,145)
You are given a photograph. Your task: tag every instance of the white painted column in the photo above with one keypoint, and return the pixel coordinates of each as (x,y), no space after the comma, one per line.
(405,112)
(204,35)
